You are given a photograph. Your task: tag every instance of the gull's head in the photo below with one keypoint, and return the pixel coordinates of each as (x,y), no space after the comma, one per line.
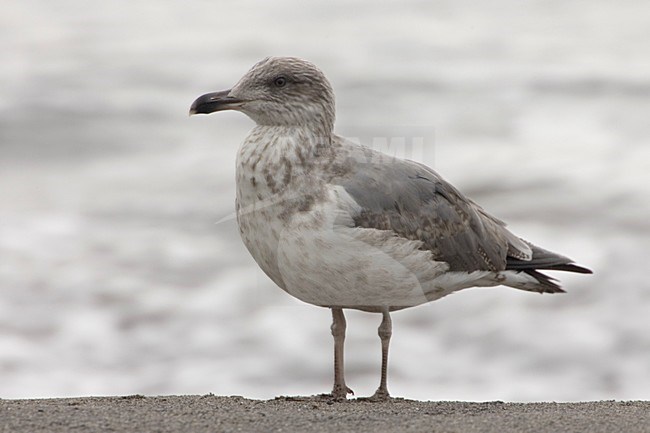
(278,91)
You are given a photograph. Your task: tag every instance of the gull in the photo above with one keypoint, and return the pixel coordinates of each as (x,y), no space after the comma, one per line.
(342,226)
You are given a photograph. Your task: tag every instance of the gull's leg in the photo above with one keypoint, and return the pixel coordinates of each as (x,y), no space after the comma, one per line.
(385,330)
(340,390)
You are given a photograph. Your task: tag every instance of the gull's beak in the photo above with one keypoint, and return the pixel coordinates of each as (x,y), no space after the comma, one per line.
(216,101)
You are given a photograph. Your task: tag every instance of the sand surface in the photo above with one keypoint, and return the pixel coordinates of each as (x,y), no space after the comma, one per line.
(287,414)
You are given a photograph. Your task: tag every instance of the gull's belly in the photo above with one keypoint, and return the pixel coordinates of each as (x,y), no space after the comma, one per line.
(326,268)
(325,261)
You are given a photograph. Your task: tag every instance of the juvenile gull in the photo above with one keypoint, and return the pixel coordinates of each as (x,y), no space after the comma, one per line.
(341,226)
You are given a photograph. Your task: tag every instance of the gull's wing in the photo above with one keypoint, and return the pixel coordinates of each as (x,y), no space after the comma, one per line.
(414,202)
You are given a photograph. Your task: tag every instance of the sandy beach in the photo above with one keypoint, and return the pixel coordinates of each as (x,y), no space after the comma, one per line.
(211,413)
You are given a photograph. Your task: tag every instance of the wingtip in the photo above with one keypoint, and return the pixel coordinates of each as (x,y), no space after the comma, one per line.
(572,267)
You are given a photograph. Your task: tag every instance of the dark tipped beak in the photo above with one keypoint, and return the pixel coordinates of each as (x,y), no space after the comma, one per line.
(217,101)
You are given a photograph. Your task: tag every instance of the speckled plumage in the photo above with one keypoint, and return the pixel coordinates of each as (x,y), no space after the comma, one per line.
(342,226)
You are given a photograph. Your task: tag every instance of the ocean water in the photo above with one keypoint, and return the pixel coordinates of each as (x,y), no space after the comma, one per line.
(121,268)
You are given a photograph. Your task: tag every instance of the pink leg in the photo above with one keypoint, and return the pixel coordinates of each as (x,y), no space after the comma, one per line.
(385,331)
(340,390)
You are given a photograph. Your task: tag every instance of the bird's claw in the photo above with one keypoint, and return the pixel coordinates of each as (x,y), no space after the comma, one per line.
(381,395)
(340,392)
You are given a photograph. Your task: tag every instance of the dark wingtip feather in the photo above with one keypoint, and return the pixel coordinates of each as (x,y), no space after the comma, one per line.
(570,267)
(545,260)
(546,284)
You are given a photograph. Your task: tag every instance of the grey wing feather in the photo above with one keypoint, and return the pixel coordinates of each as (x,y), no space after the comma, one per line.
(416,203)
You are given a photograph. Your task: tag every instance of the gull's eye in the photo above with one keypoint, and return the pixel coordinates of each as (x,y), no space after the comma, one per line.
(280,81)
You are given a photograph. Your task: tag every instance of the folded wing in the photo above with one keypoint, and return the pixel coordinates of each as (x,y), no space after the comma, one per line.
(414,202)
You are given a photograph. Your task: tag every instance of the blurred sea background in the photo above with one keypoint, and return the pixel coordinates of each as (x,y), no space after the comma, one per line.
(115,277)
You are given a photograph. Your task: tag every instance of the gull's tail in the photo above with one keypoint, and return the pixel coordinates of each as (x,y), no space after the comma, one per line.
(526,275)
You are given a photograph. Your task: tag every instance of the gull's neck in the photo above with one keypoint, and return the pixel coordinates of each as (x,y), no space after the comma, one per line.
(274,146)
